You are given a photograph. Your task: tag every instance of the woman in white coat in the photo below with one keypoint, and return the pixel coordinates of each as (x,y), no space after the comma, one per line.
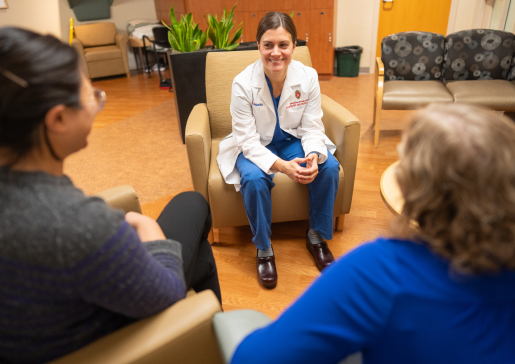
(277,127)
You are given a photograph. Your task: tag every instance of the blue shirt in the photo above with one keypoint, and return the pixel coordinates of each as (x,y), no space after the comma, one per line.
(279,134)
(398,303)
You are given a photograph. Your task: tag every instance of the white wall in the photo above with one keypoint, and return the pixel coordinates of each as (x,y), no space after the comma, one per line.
(355,24)
(37,15)
(121,12)
(465,14)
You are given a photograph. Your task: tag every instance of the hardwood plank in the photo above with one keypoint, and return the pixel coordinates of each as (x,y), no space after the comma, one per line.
(235,254)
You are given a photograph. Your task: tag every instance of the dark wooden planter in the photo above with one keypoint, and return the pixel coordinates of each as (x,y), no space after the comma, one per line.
(188,73)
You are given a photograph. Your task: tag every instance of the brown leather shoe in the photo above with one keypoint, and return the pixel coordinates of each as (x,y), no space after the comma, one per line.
(321,253)
(266,272)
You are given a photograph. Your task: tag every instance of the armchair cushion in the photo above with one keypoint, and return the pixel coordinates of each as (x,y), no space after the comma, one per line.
(478,54)
(403,95)
(96,34)
(413,56)
(495,94)
(102,53)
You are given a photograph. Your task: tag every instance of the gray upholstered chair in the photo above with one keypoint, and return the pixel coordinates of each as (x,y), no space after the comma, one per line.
(477,64)
(407,58)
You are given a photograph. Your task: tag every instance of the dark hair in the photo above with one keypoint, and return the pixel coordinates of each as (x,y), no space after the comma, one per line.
(274,20)
(37,72)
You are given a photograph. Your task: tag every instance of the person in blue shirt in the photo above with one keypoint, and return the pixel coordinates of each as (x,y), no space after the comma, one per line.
(442,293)
(277,127)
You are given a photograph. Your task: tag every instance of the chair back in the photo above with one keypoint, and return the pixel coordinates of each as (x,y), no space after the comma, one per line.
(478,54)
(161,37)
(413,56)
(221,69)
(96,34)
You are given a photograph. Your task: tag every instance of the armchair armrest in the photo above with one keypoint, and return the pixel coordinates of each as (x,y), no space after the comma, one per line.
(121,197)
(342,128)
(198,145)
(121,42)
(378,98)
(379,67)
(77,44)
(183,333)
(234,326)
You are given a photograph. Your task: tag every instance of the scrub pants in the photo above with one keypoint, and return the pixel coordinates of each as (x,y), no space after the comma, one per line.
(256,189)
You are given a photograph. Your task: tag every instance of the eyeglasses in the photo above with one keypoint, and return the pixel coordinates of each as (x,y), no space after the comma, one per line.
(100,97)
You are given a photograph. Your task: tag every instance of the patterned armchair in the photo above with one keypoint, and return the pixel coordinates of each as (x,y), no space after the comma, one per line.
(477,66)
(406,58)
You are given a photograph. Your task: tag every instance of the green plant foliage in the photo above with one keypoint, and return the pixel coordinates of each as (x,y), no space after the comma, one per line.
(219,31)
(185,35)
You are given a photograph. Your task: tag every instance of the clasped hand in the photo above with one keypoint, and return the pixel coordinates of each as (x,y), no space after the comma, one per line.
(295,171)
(146,228)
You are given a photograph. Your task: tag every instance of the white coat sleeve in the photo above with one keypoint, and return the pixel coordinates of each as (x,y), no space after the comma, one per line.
(311,129)
(245,131)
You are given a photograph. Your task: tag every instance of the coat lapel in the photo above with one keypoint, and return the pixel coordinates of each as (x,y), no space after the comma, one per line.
(258,81)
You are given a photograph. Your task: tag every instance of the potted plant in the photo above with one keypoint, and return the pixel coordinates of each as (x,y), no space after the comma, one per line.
(188,58)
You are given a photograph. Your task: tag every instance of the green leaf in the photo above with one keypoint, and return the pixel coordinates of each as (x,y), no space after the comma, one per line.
(231,47)
(291,15)
(236,37)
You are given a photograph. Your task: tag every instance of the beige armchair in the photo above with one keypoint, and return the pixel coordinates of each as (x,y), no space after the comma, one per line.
(102,51)
(183,333)
(209,123)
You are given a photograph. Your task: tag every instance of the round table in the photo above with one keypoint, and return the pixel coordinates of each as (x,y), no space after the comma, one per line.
(390,191)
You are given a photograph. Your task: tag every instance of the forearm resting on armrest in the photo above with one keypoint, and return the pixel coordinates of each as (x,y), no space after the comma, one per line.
(183,333)
(232,327)
(198,145)
(342,127)
(121,197)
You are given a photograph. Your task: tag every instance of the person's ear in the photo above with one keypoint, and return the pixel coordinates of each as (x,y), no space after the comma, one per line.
(294,45)
(55,119)
(257,45)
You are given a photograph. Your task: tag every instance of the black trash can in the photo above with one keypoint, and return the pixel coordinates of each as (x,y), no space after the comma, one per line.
(347,61)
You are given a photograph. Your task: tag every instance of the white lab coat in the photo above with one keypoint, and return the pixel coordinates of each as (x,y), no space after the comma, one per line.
(254,119)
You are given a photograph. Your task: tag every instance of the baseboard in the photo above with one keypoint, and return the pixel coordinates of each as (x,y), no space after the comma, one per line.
(364,70)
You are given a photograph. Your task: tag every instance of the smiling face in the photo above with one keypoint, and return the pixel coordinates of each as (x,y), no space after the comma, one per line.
(276,48)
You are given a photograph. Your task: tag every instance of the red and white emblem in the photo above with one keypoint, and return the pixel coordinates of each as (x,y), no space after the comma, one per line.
(297,94)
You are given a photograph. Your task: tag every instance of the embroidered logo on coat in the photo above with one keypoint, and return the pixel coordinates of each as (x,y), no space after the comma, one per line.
(257,104)
(297,94)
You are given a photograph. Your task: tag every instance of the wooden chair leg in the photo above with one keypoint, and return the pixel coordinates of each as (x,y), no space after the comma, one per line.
(377,123)
(214,236)
(210,237)
(338,225)
(128,75)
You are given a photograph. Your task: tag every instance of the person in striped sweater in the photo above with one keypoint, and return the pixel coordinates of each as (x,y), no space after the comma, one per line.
(72,269)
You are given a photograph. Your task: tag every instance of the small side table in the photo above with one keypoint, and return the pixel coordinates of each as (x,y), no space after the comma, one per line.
(390,191)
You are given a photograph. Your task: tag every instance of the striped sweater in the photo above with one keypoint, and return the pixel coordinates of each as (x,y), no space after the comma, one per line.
(72,270)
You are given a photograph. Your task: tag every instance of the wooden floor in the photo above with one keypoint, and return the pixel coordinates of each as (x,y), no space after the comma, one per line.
(235,254)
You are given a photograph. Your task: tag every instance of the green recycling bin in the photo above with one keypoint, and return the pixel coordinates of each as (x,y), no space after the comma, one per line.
(347,61)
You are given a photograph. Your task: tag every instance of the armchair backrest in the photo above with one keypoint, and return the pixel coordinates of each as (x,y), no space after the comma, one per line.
(221,69)
(96,34)
(413,56)
(478,54)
